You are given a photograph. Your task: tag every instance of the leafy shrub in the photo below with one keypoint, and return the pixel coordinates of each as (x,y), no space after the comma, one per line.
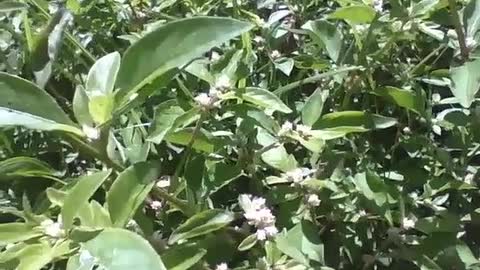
(239,134)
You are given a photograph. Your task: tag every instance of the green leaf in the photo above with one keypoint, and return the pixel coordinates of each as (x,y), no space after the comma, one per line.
(285,65)
(24,167)
(466,255)
(200,224)
(203,141)
(352,121)
(9,6)
(101,108)
(24,104)
(79,195)
(101,77)
(248,242)
(130,190)
(471,18)
(35,256)
(312,110)
(326,35)
(422,7)
(16,232)
(264,99)
(356,14)
(119,249)
(276,157)
(403,98)
(80,107)
(172,46)
(374,188)
(302,243)
(164,119)
(465,82)
(183,257)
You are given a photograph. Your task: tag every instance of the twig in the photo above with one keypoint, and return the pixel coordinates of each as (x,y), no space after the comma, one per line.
(281,90)
(459,29)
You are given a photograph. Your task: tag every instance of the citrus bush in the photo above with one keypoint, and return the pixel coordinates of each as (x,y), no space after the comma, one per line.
(220,134)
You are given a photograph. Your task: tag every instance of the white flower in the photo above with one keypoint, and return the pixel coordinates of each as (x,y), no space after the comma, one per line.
(215,56)
(303,130)
(222,266)
(53,229)
(164,182)
(297,175)
(408,223)
(470,42)
(313,200)
(469,178)
(286,128)
(378,5)
(206,101)
(258,215)
(407,130)
(362,213)
(133,96)
(156,205)
(436,98)
(222,83)
(91,132)
(275,54)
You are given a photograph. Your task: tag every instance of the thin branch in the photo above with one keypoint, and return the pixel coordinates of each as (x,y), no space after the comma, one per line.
(459,29)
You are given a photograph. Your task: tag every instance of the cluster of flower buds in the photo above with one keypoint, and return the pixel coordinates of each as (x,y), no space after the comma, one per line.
(212,99)
(258,215)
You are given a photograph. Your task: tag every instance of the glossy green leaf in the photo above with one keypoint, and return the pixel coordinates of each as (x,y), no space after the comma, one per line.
(248,242)
(355,14)
(80,107)
(119,249)
(354,121)
(403,98)
(101,77)
(24,104)
(200,224)
(312,110)
(276,157)
(164,119)
(24,167)
(465,82)
(129,191)
(264,99)
(101,108)
(326,35)
(471,18)
(9,6)
(302,243)
(16,232)
(183,257)
(183,39)
(79,195)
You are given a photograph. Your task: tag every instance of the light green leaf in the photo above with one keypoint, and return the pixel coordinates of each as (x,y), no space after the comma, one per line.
(466,255)
(326,35)
(119,249)
(199,69)
(248,242)
(35,256)
(471,18)
(165,116)
(101,77)
(24,104)
(129,191)
(312,110)
(285,65)
(200,224)
(79,195)
(16,232)
(203,141)
(101,108)
(264,99)
(403,98)
(465,82)
(354,121)
(24,167)
(80,107)
(373,188)
(422,7)
(9,6)
(183,257)
(302,243)
(172,46)
(276,157)
(356,14)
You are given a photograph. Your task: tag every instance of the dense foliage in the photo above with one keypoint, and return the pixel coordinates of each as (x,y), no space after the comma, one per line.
(239,134)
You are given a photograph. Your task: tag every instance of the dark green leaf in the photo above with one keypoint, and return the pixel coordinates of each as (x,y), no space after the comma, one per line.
(354,121)
(183,257)
(183,39)
(326,35)
(403,98)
